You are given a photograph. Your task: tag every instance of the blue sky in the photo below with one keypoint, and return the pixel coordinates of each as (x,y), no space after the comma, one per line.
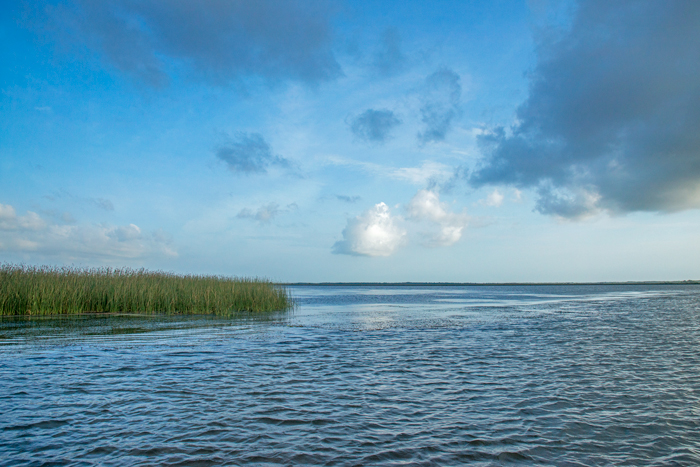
(354,141)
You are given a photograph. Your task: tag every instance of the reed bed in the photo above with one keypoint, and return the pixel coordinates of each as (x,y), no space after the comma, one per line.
(47,290)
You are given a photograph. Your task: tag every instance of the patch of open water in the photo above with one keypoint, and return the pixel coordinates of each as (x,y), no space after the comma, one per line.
(551,375)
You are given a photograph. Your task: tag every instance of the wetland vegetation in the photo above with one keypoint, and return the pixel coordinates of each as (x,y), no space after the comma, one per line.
(47,290)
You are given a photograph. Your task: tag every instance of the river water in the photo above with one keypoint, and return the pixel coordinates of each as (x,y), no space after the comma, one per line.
(552,375)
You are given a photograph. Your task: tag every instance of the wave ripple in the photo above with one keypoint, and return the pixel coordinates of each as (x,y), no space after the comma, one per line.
(587,376)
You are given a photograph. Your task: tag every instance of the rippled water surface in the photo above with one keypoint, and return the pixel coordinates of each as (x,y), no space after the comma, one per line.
(580,375)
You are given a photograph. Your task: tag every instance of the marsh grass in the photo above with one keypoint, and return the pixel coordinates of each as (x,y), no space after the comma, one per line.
(46,290)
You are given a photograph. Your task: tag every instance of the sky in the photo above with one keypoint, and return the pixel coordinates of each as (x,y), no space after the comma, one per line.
(324,141)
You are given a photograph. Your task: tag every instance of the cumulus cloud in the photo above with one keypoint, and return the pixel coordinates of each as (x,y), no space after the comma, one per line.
(249,153)
(445,227)
(216,40)
(611,121)
(440,105)
(30,234)
(374,126)
(389,59)
(373,233)
(494,199)
(10,221)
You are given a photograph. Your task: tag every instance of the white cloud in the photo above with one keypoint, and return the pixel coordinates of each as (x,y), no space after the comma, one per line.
(576,204)
(125,233)
(32,234)
(494,199)
(373,233)
(426,206)
(9,220)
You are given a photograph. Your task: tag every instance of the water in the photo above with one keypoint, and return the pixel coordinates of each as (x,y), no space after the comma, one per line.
(581,375)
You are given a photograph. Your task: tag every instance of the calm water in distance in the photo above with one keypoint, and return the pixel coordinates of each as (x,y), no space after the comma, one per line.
(551,375)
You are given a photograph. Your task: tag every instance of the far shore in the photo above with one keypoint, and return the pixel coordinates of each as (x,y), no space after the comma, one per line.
(479,284)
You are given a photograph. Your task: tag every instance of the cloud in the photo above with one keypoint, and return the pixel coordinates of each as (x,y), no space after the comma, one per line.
(428,172)
(427,207)
(10,221)
(30,234)
(103,203)
(611,121)
(440,105)
(578,203)
(373,233)
(249,153)
(218,41)
(389,59)
(374,126)
(263,214)
(494,199)
(348,199)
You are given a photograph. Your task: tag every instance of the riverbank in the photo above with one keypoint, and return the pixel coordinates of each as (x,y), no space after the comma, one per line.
(46,290)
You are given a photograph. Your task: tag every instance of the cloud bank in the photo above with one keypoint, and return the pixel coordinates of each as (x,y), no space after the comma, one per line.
(611,121)
(30,234)
(373,233)
(218,41)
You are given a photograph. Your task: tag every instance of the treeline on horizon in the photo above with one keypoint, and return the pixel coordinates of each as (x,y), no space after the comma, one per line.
(50,290)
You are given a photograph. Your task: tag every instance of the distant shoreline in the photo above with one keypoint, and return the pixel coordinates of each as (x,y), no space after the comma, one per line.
(480,284)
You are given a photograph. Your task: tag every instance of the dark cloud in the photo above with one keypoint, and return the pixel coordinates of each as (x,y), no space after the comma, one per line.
(611,122)
(374,125)
(249,153)
(217,40)
(440,104)
(389,59)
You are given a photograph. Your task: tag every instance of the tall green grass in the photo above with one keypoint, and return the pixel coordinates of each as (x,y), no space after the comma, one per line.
(44,290)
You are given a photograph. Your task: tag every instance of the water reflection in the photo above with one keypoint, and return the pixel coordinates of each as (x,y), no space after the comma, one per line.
(54,329)
(365,376)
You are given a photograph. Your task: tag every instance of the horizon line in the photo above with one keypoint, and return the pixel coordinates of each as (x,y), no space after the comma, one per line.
(408,283)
